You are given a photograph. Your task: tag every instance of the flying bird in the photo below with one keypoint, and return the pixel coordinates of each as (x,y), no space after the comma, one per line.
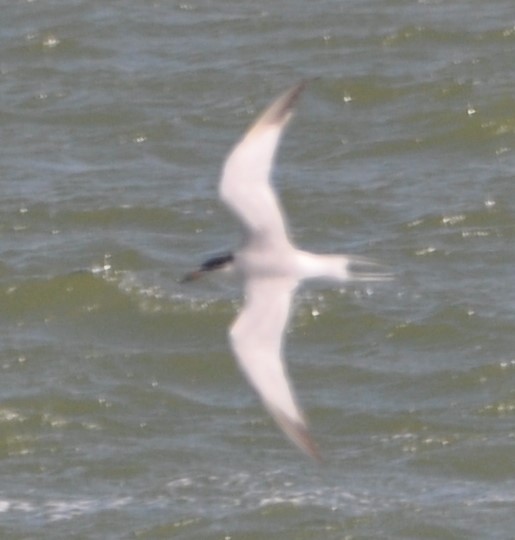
(272,267)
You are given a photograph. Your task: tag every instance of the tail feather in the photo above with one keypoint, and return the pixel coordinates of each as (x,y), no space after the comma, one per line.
(364,269)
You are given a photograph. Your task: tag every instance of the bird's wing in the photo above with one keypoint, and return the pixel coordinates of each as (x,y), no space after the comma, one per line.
(245,186)
(256,339)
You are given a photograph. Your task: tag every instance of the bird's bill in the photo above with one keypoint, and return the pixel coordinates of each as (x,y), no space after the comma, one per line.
(192,276)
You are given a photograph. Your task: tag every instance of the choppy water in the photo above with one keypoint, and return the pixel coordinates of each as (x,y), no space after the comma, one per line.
(122,414)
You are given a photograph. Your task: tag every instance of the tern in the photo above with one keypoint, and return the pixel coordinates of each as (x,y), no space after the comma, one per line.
(272,267)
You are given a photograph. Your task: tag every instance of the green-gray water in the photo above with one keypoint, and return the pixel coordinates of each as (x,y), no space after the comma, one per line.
(122,413)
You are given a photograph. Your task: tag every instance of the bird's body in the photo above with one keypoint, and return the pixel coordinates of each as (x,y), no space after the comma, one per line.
(272,267)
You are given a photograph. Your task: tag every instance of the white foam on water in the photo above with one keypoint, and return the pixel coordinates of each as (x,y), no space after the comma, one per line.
(62,510)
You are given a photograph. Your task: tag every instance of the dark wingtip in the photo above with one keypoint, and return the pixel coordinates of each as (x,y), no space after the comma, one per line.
(280,109)
(309,446)
(298,433)
(289,99)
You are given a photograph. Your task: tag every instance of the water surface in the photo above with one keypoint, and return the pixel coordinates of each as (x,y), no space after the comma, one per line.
(122,413)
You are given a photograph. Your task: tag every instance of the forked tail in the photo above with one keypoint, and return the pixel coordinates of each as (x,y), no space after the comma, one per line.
(364,269)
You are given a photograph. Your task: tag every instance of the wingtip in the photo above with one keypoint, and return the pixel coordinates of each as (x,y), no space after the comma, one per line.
(299,434)
(280,110)
(288,100)
(309,446)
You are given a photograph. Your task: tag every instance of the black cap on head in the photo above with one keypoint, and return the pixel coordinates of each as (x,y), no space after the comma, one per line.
(215,263)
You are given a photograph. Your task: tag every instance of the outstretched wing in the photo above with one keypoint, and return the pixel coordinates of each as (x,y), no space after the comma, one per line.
(256,339)
(245,186)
